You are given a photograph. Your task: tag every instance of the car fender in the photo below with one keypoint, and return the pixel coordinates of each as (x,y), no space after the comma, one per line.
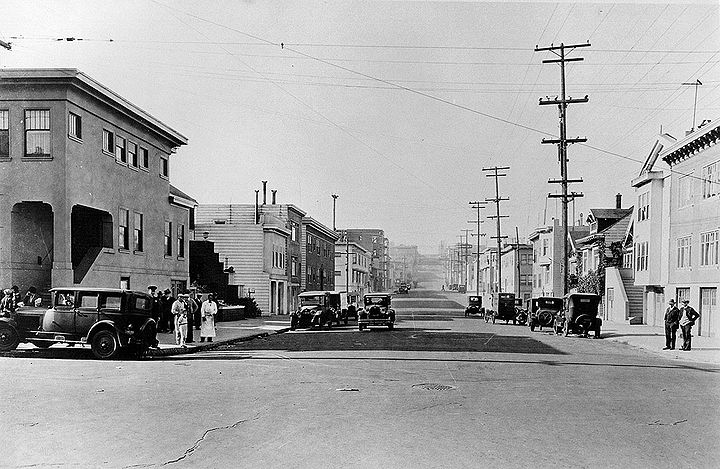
(9,321)
(149,323)
(104,325)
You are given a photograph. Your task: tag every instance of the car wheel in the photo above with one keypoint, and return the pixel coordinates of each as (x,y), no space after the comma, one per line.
(9,339)
(104,345)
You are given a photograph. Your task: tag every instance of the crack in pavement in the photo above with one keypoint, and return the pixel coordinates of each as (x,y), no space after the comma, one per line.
(658,422)
(197,444)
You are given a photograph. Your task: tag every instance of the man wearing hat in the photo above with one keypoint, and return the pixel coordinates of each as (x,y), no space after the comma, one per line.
(688,315)
(180,312)
(672,321)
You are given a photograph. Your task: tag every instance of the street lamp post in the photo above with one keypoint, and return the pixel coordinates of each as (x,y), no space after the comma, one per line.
(334,196)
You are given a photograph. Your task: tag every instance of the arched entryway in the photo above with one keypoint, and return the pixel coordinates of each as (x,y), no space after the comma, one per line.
(31,246)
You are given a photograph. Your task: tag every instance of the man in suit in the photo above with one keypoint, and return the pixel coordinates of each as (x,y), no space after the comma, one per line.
(672,322)
(688,315)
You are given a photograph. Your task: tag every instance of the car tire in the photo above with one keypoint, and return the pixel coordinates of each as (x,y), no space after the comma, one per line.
(9,338)
(104,345)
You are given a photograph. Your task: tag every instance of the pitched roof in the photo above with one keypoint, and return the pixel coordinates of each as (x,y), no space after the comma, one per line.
(610,213)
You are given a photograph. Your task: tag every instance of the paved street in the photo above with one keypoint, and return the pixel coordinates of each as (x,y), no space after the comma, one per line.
(440,390)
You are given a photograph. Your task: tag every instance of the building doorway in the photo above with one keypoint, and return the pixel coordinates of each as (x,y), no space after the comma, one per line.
(273,297)
(31,246)
(91,230)
(708,325)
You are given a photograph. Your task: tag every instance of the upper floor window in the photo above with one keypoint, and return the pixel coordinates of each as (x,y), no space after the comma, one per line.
(709,243)
(181,240)
(138,232)
(684,252)
(164,169)
(108,141)
(545,244)
(711,180)
(74,126)
(643,206)
(144,158)
(641,256)
(120,150)
(123,234)
(168,238)
(37,133)
(132,154)
(685,190)
(4,134)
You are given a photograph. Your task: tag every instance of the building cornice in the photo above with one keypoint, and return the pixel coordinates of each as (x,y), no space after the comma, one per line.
(695,142)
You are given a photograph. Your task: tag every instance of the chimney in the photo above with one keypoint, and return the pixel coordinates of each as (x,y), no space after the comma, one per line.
(618,200)
(264,192)
(257,209)
(274,193)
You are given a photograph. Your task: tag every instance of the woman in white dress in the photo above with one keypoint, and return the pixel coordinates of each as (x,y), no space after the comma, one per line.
(208,310)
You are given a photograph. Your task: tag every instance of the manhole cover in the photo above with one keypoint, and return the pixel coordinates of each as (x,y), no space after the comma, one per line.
(433,387)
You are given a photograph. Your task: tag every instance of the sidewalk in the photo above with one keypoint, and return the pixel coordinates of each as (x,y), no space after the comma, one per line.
(246,329)
(652,339)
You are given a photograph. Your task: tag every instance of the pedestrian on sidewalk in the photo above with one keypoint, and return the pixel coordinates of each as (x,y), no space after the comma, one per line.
(688,315)
(192,311)
(672,322)
(7,304)
(198,306)
(208,311)
(179,311)
(167,319)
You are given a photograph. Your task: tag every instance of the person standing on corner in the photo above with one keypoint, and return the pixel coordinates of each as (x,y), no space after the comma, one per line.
(688,315)
(180,313)
(672,321)
(207,325)
(192,310)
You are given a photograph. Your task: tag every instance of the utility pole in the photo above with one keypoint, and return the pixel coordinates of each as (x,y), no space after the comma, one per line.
(334,196)
(695,83)
(477,205)
(517,259)
(495,174)
(465,247)
(563,141)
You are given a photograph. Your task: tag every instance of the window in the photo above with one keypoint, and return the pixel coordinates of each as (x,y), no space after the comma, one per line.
(709,248)
(120,151)
(37,133)
(108,142)
(293,231)
(123,235)
(138,232)
(711,180)
(682,294)
(309,240)
(627,260)
(168,238)
(4,134)
(132,154)
(643,206)
(545,247)
(164,170)
(181,240)
(74,126)
(125,283)
(685,190)
(144,158)
(684,252)
(641,256)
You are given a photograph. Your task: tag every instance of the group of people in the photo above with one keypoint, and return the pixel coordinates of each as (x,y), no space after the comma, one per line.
(683,318)
(12,300)
(179,316)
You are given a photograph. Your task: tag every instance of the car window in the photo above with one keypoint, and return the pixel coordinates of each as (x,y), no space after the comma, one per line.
(142,303)
(65,299)
(88,300)
(110,302)
(311,300)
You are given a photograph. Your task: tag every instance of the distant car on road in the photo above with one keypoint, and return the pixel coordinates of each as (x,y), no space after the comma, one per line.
(317,308)
(474,305)
(505,303)
(543,310)
(462,288)
(377,311)
(108,319)
(404,288)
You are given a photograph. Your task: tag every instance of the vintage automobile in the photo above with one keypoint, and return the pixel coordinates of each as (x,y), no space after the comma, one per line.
(542,311)
(404,288)
(505,303)
(377,311)
(474,305)
(108,319)
(348,306)
(520,312)
(462,288)
(317,308)
(579,315)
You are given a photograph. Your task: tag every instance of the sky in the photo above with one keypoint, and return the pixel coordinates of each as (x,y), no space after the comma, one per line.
(396,107)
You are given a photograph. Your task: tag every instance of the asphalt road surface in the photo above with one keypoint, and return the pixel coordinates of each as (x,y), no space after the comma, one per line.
(440,390)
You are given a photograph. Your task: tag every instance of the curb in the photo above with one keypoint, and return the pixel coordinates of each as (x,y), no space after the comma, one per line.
(663,353)
(167,352)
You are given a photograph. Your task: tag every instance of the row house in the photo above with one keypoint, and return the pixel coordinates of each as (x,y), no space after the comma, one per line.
(352,268)
(676,245)
(375,242)
(253,248)
(318,257)
(517,270)
(85,193)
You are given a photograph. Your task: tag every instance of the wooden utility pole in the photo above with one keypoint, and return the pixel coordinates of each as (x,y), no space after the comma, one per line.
(495,174)
(563,141)
(477,205)
(465,247)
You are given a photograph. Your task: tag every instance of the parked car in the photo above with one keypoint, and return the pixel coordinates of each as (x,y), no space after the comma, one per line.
(108,319)
(348,306)
(542,311)
(317,309)
(579,315)
(474,305)
(404,288)
(505,303)
(462,288)
(520,312)
(377,311)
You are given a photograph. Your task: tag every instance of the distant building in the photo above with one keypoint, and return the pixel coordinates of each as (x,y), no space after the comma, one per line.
(85,194)
(517,270)
(352,268)
(377,245)
(318,257)
(405,261)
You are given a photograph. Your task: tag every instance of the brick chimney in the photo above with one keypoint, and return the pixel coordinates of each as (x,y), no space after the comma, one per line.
(618,200)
